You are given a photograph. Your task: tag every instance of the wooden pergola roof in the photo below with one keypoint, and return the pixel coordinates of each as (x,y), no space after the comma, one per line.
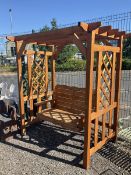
(67,35)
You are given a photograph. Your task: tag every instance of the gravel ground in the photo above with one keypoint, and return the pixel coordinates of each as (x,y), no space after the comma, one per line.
(50,150)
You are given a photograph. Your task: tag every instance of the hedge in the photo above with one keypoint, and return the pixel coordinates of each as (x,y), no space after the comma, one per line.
(71,65)
(126,64)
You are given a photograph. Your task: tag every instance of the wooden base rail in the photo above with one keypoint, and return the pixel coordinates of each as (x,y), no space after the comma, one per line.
(94,115)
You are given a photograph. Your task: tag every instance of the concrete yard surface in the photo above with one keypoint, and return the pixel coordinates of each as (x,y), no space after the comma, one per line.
(48,149)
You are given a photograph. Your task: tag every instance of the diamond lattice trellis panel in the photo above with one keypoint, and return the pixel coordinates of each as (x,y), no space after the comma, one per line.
(106,81)
(38,75)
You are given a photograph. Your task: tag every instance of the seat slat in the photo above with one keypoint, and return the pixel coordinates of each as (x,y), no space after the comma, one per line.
(63,118)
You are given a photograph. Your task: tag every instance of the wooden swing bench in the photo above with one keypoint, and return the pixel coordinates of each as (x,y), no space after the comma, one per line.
(68,107)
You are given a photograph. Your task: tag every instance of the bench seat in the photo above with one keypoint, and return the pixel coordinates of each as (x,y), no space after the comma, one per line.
(63,118)
(68,107)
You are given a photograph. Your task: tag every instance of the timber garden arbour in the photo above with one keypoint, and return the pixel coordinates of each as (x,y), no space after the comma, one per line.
(93,108)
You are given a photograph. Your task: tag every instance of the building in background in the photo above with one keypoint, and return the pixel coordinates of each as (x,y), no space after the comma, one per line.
(10,53)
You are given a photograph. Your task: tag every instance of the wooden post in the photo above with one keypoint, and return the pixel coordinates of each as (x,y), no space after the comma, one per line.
(46,77)
(112,89)
(117,85)
(98,81)
(20,46)
(29,64)
(89,86)
(53,71)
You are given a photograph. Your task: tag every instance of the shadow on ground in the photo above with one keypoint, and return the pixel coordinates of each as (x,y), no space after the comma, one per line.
(64,146)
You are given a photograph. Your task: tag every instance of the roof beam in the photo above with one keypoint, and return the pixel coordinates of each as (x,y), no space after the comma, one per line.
(78,43)
(89,27)
(103,30)
(127,35)
(113,32)
(10,38)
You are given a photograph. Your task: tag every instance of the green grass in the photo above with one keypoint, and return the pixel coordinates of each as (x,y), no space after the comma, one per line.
(8,68)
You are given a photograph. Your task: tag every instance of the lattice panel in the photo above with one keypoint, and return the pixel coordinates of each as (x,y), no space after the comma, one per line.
(38,75)
(105,87)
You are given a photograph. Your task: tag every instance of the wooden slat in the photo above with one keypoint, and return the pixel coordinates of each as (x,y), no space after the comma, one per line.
(104,29)
(122,33)
(105,94)
(42,102)
(100,144)
(113,32)
(109,57)
(89,27)
(65,119)
(99,62)
(106,48)
(112,90)
(103,38)
(32,52)
(53,74)
(105,80)
(107,71)
(46,77)
(35,96)
(103,126)
(103,111)
(78,43)
(29,67)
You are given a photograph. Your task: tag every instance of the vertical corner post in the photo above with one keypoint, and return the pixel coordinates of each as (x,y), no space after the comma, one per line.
(117,85)
(20,46)
(89,87)
(53,73)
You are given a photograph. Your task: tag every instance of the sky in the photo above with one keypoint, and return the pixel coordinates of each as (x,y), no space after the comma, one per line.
(34,14)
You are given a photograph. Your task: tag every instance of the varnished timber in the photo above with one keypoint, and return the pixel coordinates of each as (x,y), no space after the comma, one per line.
(20,46)
(89,87)
(75,108)
(117,85)
(99,62)
(29,64)
(106,48)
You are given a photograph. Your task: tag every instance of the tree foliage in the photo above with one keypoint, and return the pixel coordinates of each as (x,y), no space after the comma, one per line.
(44,29)
(67,53)
(53,24)
(127,48)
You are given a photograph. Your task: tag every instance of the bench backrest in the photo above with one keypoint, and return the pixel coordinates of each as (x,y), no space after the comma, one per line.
(71,99)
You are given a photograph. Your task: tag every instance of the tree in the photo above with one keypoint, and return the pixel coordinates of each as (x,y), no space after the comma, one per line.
(33,31)
(127,48)
(54,24)
(67,53)
(44,29)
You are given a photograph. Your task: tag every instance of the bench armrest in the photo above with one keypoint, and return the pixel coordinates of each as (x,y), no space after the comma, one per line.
(42,102)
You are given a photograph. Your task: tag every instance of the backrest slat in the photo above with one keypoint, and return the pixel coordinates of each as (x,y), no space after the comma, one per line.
(71,99)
